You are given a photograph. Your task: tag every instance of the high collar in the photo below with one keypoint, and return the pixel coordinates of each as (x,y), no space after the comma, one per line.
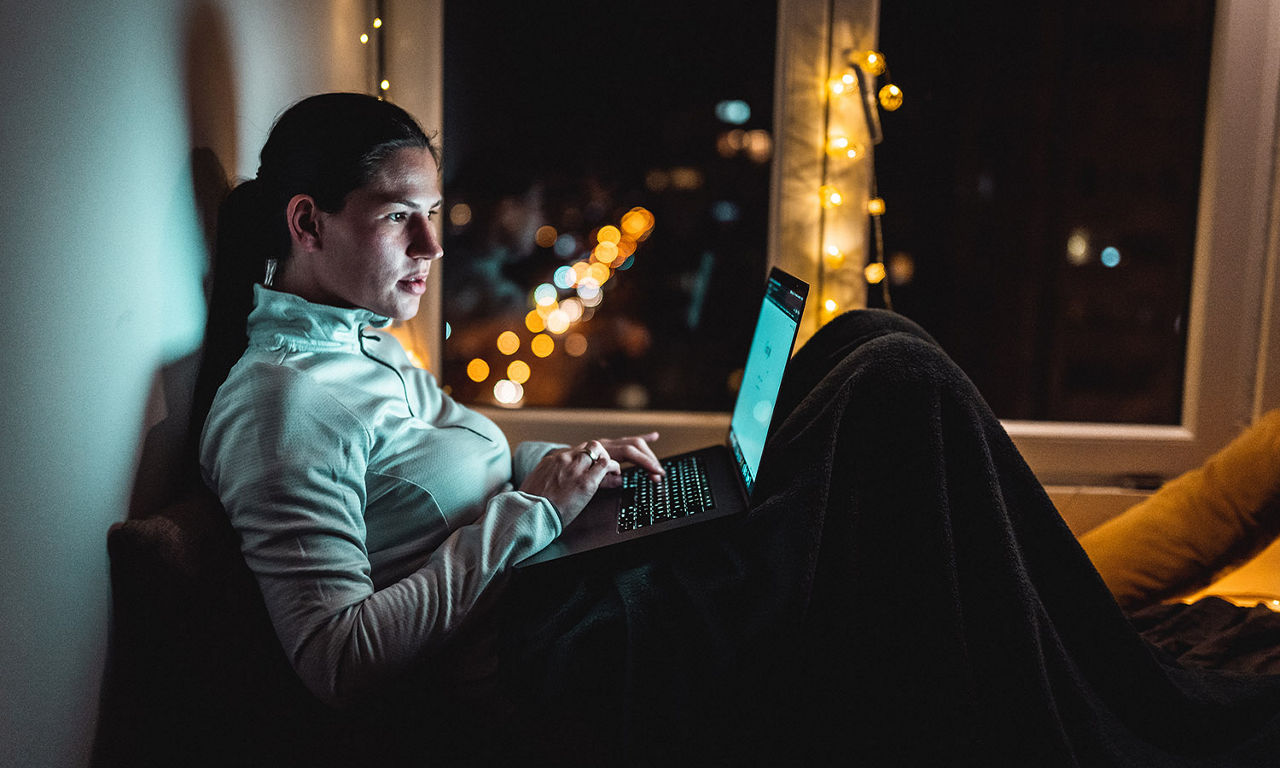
(282,320)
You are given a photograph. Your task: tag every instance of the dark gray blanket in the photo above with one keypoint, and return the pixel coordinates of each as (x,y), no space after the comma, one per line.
(902,593)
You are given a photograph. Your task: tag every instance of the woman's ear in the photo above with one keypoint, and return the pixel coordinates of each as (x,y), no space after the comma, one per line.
(304,222)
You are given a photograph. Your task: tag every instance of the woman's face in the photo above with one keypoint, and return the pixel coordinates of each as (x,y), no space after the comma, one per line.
(376,252)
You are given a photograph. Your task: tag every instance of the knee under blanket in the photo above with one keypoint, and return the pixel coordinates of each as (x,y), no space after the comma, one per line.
(903,592)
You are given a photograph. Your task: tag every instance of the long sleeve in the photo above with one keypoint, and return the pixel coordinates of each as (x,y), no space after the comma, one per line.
(291,461)
(527,455)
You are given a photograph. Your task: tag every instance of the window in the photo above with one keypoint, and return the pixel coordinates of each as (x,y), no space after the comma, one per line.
(607,197)
(1232,329)
(1044,179)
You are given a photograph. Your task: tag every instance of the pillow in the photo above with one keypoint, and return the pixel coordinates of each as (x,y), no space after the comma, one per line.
(1204,520)
(196,675)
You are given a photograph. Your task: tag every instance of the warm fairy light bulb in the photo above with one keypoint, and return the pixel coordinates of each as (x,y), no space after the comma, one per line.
(831,196)
(507,392)
(833,256)
(830,306)
(873,62)
(589,291)
(518,371)
(534,322)
(384,85)
(377,22)
(545,236)
(572,307)
(843,84)
(874,272)
(542,345)
(875,206)
(598,273)
(605,252)
(575,345)
(838,146)
(891,97)
(364,38)
(508,342)
(608,234)
(636,221)
(477,370)
(460,214)
(558,321)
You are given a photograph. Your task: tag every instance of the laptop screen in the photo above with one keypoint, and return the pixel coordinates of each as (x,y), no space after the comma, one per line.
(770,349)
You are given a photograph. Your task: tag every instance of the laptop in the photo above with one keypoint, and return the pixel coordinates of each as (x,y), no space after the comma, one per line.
(709,483)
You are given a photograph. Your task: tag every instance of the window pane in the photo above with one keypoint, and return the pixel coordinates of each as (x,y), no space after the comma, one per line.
(1042,181)
(643,126)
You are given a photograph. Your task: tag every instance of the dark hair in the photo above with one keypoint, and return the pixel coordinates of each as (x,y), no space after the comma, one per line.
(325,146)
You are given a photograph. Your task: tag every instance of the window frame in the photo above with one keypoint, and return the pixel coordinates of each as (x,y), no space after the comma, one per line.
(1230,368)
(1233,335)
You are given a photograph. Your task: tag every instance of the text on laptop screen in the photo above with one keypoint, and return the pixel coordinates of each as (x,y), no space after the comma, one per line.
(770,348)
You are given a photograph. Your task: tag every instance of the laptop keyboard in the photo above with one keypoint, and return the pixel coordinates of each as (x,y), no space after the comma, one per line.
(684,491)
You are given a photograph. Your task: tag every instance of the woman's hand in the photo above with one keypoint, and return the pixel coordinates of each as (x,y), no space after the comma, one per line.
(569,477)
(635,450)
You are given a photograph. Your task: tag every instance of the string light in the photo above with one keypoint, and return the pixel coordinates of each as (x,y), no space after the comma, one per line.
(872,63)
(381,85)
(864,68)
(891,97)
(844,84)
(842,146)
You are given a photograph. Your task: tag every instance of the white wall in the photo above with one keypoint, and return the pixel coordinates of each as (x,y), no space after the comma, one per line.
(102,264)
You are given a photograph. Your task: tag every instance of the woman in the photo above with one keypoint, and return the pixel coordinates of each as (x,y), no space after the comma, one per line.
(374,511)
(902,590)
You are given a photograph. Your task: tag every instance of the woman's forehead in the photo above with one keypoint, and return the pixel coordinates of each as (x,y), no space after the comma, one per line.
(410,172)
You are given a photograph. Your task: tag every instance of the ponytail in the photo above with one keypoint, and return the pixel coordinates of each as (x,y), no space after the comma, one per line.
(251,230)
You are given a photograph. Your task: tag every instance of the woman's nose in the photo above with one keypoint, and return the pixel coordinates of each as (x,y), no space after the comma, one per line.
(426,243)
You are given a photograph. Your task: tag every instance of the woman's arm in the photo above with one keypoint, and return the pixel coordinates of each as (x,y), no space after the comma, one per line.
(289,460)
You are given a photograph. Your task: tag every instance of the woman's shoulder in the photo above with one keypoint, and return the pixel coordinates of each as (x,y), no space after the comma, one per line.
(267,391)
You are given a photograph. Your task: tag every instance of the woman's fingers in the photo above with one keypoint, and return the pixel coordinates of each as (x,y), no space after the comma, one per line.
(569,477)
(636,450)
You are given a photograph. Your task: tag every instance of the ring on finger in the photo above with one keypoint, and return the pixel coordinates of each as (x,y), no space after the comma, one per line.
(591,455)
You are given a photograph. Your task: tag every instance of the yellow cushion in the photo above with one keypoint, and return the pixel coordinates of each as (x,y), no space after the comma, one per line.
(1197,524)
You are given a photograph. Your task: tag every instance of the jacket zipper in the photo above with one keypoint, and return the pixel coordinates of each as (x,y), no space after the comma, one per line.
(403,386)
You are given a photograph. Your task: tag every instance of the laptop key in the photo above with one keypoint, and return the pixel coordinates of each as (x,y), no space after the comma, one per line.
(684,491)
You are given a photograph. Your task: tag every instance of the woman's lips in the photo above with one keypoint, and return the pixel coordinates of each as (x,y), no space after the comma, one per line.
(415,285)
